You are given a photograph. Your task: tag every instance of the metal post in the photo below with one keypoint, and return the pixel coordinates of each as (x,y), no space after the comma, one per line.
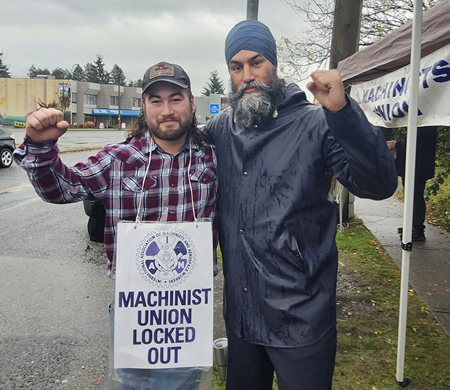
(118,99)
(252,9)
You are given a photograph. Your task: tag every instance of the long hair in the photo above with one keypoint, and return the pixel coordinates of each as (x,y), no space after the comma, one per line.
(140,127)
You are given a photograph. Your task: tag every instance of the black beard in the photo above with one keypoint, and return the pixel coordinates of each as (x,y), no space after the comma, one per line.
(253,108)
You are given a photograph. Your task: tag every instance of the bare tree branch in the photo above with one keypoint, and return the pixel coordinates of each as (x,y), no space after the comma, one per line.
(299,56)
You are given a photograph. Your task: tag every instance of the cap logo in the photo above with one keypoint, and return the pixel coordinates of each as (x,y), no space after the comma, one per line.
(162,70)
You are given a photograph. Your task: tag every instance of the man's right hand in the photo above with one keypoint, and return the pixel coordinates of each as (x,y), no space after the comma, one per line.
(391,144)
(46,124)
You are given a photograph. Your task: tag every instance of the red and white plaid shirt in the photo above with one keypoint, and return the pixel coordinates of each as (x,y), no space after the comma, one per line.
(115,175)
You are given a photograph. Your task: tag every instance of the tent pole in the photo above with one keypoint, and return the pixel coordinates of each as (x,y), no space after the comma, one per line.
(409,185)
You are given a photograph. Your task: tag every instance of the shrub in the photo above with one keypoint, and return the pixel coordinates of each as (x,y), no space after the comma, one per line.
(89,124)
(80,125)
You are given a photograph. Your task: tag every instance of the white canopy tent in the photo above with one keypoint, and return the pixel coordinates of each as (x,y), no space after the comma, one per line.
(404,48)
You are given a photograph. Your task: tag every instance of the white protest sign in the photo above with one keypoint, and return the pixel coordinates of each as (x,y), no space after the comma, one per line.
(385,100)
(164,295)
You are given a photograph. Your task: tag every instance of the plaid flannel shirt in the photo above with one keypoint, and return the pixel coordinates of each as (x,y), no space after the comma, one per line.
(115,176)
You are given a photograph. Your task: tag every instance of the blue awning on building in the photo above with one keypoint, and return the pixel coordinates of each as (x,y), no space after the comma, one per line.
(107,111)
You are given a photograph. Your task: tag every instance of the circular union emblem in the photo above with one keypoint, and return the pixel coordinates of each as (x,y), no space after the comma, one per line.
(166,257)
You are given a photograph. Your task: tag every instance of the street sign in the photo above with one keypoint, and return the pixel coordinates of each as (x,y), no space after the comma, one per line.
(214,108)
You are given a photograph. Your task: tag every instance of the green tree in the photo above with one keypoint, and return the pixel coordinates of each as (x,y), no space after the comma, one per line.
(4,70)
(214,85)
(117,76)
(442,161)
(31,71)
(102,74)
(135,83)
(90,73)
(59,73)
(310,51)
(95,72)
(34,72)
(78,74)
(43,71)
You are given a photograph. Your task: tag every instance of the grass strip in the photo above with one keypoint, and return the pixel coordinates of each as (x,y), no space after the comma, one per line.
(367,323)
(367,338)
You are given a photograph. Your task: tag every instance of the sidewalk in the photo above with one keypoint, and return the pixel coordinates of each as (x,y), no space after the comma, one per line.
(429,262)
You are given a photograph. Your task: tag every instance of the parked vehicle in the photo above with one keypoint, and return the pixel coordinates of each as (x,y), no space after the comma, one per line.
(7,146)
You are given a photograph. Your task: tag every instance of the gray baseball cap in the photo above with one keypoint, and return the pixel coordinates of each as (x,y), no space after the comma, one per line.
(167,72)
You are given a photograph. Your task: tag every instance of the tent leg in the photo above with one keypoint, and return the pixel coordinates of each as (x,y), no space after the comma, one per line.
(404,383)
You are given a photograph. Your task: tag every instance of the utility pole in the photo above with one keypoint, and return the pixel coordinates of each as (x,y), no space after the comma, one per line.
(344,43)
(118,98)
(252,9)
(346,28)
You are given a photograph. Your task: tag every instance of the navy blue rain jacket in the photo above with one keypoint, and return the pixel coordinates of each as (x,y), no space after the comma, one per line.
(278,217)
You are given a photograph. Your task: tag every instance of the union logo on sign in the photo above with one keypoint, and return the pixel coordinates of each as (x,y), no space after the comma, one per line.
(166,257)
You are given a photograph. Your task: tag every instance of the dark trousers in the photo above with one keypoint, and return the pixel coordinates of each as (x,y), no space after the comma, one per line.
(419,205)
(251,366)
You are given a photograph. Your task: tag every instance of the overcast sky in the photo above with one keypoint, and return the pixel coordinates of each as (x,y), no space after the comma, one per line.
(135,34)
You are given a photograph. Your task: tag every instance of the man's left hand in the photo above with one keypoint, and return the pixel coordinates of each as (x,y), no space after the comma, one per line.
(327,88)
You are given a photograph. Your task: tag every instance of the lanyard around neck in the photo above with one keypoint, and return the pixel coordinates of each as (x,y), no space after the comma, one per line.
(138,220)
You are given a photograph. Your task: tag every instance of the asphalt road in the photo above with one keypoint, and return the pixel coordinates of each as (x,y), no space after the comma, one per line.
(54,331)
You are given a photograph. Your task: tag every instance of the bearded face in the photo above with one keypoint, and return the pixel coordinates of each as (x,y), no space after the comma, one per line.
(168,111)
(252,108)
(164,132)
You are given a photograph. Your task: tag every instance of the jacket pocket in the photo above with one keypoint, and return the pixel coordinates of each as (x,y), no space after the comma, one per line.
(295,246)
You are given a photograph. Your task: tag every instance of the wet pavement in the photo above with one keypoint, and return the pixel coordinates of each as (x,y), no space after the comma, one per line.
(429,261)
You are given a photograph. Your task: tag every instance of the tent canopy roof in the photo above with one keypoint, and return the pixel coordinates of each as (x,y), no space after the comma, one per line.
(394,51)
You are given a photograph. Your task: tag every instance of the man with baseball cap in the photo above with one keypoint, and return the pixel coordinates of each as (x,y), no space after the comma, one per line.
(277,154)
(166,141)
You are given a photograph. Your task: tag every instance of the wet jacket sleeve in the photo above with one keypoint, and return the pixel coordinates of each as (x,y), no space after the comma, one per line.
(366,168)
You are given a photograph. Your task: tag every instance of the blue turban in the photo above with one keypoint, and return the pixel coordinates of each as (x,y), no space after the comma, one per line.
(251,35)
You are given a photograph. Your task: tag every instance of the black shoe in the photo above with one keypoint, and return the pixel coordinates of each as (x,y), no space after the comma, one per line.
(416,235)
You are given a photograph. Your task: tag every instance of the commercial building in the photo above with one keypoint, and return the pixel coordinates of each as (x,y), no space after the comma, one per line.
(84,102)
(209,106)
(99,103)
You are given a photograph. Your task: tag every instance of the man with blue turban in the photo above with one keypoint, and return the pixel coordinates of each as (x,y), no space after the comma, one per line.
(277,154)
